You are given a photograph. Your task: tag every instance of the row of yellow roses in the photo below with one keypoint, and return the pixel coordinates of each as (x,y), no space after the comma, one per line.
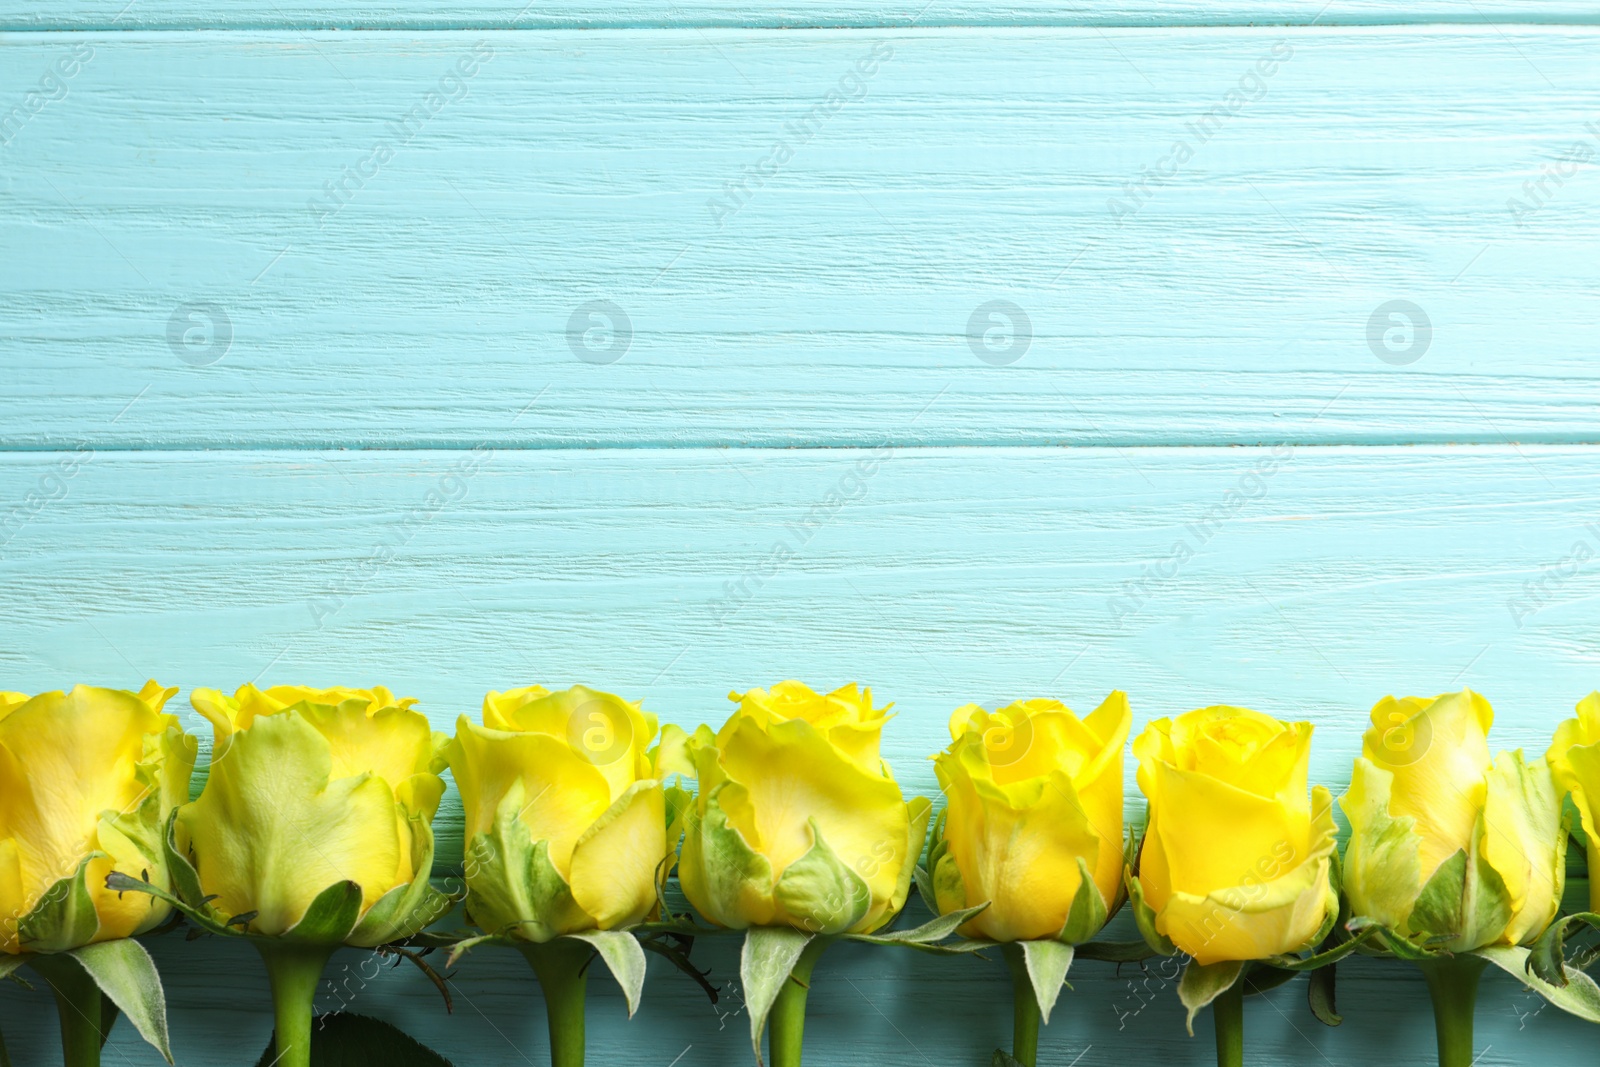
(314,826)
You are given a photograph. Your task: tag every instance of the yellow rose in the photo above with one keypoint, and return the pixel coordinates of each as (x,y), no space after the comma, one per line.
(313,791)
(797,821)
(1237,858)
(566,826)
(1033,819)
(87,782)
(1574,756)
(1448,847)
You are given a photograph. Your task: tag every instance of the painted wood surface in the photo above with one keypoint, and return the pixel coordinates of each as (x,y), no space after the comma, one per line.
(1304,581)
(245,231)
(589,14)
(1320,579)
(410,460)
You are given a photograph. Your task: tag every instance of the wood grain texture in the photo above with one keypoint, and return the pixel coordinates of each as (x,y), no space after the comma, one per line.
(1329,577)
(591,14)
(1310,582)
(833,306)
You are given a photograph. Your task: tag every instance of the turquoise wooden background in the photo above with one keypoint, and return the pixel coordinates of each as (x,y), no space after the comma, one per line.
(290,394)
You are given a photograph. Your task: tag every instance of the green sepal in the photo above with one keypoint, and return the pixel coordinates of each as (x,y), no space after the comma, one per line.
(729,865)
(1002,1058)
(330,918)
(924,937)
(1579,995)
(1046,964)
(202,917)
(1327,956)
(935,846)
(467,944)
(821,891)
(944,878)
(402,912)
(765,963)
(1464,898)
(406,909)
(185,879)
(1144,917)
(518,889)
(623,956)
(680,813)
(1203,983)
(1088,914)
(1547,955)
(128,977)
(64,917)
(924,883)
(1384,940)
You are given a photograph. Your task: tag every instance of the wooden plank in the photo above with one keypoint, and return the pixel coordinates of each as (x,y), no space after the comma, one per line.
(1305,581)
(1320,579)
(430,300)
(590,14)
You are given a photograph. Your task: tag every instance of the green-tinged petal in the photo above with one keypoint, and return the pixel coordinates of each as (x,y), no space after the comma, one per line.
(1439,766)
(88,772)
(405,909)
(392,743)
(726,880)
(563,793)
(271,831)
(791,774)
(131,843)
(1382,874)
(1020,849)
(609,733)
(671,755)
(513,887)
(882,912)
(1525,842)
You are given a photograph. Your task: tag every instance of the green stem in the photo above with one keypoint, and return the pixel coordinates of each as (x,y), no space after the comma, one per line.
(562,967)
(1594,873)
(78,1005)
(1024,1009)
(1227,1015)
(293,971)
(1453,985)
(786,1024)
